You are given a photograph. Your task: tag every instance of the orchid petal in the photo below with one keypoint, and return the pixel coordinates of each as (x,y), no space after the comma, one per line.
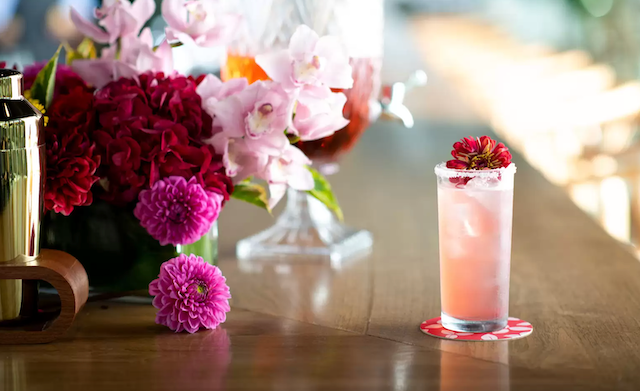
(95,72)
(175,14)
(303,41)
(276,192)
(119,24)
(278,66)
(229,115)
(87,28)
(337,73)
(142,11)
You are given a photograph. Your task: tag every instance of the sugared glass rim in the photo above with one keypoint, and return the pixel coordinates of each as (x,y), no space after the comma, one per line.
(442,171)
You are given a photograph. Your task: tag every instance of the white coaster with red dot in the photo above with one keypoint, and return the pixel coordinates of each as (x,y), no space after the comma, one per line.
(515,329)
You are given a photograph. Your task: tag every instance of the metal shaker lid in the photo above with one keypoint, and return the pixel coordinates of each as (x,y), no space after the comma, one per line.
(11,84)
(21,124)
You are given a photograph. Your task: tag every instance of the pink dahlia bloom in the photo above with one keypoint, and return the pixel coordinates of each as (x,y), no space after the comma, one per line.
(190,294)
(175,211)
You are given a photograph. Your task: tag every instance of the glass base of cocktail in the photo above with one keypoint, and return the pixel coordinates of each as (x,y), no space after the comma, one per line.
(472,326)
(309,230)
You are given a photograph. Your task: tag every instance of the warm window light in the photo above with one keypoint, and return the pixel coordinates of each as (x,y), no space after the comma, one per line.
(566,114)
(604,165)
(586,196)
(615,215)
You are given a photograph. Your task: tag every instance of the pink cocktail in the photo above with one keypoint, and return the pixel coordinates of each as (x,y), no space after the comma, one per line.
(475,213)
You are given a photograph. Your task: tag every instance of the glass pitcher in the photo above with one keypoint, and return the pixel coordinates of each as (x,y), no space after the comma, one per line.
(306,228)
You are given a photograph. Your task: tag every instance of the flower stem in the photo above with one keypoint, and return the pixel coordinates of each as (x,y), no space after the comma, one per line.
(176,44)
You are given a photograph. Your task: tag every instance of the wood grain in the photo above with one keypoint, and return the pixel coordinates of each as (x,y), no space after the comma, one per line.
(573,282)
(578,286)
(115,346)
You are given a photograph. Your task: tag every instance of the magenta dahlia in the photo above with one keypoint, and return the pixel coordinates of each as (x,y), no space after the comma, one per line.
(175,211)
(190,294)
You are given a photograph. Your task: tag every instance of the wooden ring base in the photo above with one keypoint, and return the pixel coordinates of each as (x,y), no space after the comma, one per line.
(67,276)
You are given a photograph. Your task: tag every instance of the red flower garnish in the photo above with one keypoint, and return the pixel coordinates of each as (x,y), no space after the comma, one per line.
(481,153)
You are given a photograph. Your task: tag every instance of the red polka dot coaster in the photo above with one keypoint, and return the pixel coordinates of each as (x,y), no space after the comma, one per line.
(515,329)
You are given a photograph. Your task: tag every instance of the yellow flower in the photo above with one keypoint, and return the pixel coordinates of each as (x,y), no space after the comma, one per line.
(36,103)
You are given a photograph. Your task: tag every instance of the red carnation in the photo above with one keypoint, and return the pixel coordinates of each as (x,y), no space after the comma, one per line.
(152,128)
(71,161)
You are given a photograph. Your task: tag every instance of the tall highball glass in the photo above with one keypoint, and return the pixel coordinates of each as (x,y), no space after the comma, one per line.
(475,213)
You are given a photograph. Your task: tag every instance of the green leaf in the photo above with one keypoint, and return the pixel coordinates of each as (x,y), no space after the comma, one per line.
(45,81)
(293,138)
(323,193)
(86,50)
(253,194)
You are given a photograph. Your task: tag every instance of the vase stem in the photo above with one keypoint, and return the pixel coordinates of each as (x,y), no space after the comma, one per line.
(306,230)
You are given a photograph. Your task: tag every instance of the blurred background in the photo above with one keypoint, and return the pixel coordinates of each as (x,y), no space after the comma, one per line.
(558,80)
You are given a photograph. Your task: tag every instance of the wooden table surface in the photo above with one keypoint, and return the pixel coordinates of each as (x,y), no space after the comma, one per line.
(310,326)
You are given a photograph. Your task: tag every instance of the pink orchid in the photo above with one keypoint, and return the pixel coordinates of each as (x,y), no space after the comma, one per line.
(319,113)
(287,170)
(137,56)
(260,113)
(119,18)
(239,161)
(309,60)
(212,90)
(139,53)
(200,21)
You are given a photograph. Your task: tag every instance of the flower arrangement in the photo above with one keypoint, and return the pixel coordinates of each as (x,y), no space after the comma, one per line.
(127,136)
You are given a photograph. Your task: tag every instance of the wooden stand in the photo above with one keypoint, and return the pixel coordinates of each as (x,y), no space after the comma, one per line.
(66,275)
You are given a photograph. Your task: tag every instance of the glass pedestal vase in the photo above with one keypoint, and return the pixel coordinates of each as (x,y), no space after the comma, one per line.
(306,230)
(117,253)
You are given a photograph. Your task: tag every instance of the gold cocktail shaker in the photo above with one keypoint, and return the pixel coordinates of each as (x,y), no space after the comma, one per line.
(22,175)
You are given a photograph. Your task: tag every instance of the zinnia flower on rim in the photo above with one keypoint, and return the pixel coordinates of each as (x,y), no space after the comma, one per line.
(175,211)
(480,153)
(190,294)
